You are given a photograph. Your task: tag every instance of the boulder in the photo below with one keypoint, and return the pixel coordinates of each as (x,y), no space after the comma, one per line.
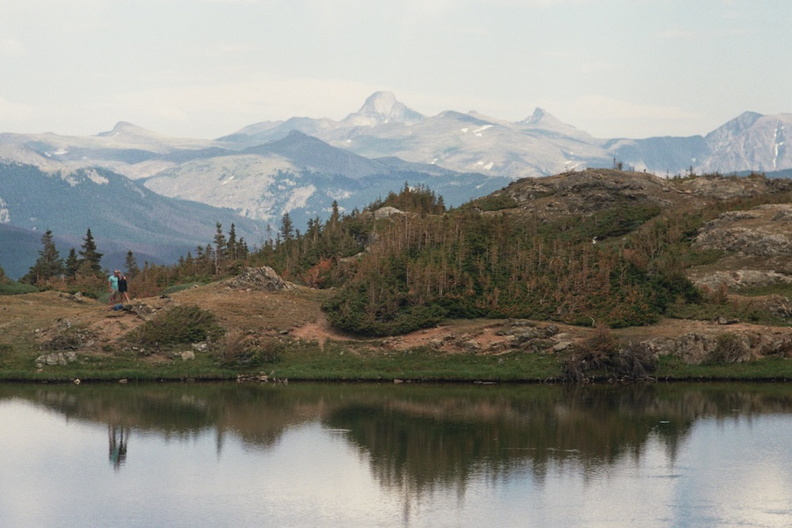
(263,278)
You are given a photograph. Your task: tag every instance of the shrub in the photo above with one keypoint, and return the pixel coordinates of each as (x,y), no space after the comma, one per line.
(601,354)
(241,350)
(69,337)
(180,324)
(16,288)
(495,202)
(635,361)
(730,348)
(591,355)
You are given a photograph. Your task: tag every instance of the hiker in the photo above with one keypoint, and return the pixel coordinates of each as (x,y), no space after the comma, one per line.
(123,288)
(112,284)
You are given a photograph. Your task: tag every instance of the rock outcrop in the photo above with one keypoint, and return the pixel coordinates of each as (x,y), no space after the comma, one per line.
(263,278)
(757,247)
(726,347)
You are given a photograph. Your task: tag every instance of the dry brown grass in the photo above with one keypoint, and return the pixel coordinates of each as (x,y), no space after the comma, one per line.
(28,322)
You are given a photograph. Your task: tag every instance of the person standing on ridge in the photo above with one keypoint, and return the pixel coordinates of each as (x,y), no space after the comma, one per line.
(123,288)
(112,285)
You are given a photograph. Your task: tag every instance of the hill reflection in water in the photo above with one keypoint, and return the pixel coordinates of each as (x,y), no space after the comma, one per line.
(424,436)
(383,455)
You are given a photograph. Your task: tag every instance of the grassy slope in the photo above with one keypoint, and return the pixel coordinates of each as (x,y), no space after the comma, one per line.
(45,323)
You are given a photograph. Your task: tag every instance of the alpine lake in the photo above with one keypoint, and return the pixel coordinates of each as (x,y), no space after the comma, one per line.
(365,455)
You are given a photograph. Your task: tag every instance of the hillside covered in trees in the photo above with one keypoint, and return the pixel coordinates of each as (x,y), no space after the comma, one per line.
(597,247)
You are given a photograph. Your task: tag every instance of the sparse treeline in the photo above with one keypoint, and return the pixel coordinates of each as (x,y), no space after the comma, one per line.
(427,264)
(621,266)
(472,264)
(321,256)
(409,270)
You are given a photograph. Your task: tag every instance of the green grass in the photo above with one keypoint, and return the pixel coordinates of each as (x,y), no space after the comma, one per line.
(784,290)
(746,310)
(338,361)
(765,369)
(181,287)
(16,288)
(346,361)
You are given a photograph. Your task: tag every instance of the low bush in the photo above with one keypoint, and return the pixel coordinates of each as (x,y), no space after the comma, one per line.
(16,288)
(179,324)
(240,350)
(591,355)
(730,348)
(69,337)
(635,361)
(601,356)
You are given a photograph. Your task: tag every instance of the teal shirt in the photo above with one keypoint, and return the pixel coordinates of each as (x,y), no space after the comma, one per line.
(113,280)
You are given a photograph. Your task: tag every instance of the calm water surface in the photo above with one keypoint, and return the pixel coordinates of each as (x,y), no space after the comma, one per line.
(383,455)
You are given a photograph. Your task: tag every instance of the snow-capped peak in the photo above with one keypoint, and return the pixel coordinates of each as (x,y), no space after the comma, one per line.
(379,108)
(379,103)
(542,120)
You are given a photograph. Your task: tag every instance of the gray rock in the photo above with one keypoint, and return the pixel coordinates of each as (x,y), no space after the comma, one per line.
(263,278)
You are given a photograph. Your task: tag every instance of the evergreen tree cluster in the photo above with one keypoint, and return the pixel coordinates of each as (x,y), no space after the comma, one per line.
(467,264)
(410,270)
(620,266)
(50,266)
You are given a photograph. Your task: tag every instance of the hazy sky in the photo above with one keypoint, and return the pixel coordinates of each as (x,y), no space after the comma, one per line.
(206,68)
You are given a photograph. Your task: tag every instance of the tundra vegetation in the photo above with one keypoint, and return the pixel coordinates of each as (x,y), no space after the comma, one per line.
(406,263)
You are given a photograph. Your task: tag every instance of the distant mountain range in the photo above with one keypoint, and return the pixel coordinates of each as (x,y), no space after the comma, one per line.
(539,145)
(301,165)
(122,214)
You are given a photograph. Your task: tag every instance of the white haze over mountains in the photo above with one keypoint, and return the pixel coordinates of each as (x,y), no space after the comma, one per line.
(204,68)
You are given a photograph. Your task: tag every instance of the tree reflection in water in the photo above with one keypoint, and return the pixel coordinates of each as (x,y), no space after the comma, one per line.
(420,437)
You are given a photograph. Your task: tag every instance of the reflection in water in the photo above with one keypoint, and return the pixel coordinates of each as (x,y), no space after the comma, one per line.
(117,438)
(429,434)
(419,440)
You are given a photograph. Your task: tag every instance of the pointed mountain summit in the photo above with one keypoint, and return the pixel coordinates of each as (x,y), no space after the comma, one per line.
(125,135)
(541,120)
(381,108)
(125,128)
(738,125)
(751,141)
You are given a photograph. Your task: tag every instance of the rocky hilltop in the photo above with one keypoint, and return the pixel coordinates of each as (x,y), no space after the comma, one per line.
(583,192)
(754,242)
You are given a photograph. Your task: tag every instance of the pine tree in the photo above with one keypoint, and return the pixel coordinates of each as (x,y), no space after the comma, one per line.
(48,265)
(287,228)
(220,249)
(131,265)
(72,263)
(90,259)
(233,244)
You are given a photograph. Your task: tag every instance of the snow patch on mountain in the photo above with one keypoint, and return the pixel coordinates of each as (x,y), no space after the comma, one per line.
(251,184)
(5,214)
(298,197)
(95,177)
(778,143)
